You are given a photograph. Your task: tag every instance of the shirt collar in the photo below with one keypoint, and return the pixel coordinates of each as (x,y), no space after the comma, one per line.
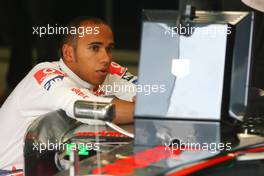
(73,76)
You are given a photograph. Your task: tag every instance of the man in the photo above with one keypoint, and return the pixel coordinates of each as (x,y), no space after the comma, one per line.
(83,73)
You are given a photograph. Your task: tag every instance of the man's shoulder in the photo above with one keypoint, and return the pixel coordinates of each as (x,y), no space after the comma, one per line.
(54,65)
(47,72)
(46,68)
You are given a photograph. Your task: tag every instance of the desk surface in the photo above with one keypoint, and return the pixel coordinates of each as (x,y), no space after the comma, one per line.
(132,159)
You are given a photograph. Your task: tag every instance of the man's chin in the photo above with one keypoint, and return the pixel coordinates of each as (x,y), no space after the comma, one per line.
(99,82)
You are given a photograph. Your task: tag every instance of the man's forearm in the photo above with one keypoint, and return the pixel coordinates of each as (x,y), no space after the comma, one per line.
(124,111)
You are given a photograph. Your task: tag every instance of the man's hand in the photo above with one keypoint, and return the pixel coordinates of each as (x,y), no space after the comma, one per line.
(124,111)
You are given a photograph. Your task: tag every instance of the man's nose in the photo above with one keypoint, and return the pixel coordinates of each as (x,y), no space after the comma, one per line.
(105,56)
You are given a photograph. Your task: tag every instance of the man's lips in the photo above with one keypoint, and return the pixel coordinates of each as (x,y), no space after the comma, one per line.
(102,72)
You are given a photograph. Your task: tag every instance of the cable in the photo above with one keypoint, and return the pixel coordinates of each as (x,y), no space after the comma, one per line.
(117,128)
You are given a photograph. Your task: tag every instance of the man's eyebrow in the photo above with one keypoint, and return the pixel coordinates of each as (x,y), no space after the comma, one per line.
(100,43)
(95,43)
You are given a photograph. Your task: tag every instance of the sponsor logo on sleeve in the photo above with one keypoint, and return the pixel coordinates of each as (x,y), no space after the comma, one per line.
(42,74)
(127,76)
(135,81)
(115,68)
(50,82)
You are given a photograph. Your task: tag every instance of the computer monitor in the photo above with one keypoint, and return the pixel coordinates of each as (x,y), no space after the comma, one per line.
(200,72)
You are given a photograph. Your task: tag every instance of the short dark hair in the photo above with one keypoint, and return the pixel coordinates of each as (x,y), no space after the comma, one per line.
(76,23)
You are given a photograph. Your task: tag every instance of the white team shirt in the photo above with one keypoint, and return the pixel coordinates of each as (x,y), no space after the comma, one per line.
(51,86)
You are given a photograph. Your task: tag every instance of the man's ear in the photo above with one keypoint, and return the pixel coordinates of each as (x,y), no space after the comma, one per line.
(68,53)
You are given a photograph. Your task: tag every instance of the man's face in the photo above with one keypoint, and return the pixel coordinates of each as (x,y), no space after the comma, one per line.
(93,54)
